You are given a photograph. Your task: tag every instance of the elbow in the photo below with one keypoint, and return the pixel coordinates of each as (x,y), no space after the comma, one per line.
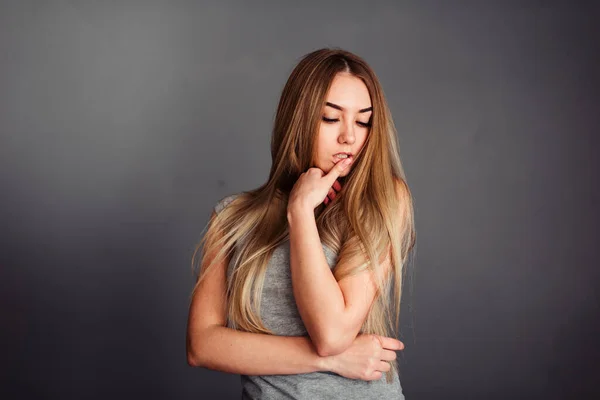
(201,359)
(198,359)
(191,360)
(194,358)
(332,345)
(198,349)
(326,351)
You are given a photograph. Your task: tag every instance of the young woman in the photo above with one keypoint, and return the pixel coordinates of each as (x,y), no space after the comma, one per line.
(301,278)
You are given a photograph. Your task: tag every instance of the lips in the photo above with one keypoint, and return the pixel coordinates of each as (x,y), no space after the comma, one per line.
(337,159)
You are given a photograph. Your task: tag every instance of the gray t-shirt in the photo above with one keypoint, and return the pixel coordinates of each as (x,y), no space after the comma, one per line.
(280,314)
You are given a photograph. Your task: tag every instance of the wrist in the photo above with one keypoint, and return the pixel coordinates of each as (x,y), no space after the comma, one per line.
(325,364)
(295,211)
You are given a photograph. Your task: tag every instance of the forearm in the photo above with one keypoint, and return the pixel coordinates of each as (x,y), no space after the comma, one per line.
(318,296)
(229,350)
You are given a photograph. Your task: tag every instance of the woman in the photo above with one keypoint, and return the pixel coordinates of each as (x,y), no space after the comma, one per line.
(296,276)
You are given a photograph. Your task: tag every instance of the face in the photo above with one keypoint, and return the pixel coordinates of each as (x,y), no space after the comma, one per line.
(345,121)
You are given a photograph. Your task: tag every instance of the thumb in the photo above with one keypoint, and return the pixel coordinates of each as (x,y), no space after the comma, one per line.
(337,169)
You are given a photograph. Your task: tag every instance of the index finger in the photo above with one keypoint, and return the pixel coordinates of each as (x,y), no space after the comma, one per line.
(337,169)
(391,343)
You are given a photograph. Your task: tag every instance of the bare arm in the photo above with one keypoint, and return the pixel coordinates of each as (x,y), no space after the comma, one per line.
(333,312)
(228,350)
(212,345)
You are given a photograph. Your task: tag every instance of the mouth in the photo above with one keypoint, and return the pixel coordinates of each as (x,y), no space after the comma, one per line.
(341,156)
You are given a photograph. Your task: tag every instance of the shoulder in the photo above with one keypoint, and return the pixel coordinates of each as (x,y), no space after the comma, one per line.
(224,202)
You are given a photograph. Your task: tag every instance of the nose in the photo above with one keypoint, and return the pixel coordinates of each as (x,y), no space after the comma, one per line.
(347,133)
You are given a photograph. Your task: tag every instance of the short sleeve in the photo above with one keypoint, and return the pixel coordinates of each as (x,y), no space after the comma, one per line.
(221,204)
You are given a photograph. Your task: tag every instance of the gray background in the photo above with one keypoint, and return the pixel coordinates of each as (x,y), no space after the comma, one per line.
(123,122)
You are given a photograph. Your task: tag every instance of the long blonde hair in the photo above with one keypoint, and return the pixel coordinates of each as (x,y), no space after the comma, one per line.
(367,222)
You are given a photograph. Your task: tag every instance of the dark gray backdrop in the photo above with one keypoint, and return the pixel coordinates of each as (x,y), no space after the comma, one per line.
(123,122)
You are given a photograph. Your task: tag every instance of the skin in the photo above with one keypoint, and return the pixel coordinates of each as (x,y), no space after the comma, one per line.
(344,130)
(333,312)
(212,345)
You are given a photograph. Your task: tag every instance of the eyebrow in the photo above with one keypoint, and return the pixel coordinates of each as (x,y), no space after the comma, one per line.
(342,108)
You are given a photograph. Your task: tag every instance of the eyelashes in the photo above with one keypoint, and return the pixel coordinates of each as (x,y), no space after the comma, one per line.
(331,121)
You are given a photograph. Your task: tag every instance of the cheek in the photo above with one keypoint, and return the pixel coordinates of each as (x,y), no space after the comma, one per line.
(362,139)
(325,141)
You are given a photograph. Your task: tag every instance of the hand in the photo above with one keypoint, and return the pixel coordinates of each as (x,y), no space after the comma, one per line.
(366,358)
(314,185)
(333,191)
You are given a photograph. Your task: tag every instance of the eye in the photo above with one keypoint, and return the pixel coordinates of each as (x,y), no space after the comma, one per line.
(332,120)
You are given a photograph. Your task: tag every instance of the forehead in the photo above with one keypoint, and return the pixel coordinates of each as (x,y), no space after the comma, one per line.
(349,92)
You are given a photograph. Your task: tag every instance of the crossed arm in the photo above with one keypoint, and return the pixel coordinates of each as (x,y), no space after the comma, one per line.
(211,344)
(333,312)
